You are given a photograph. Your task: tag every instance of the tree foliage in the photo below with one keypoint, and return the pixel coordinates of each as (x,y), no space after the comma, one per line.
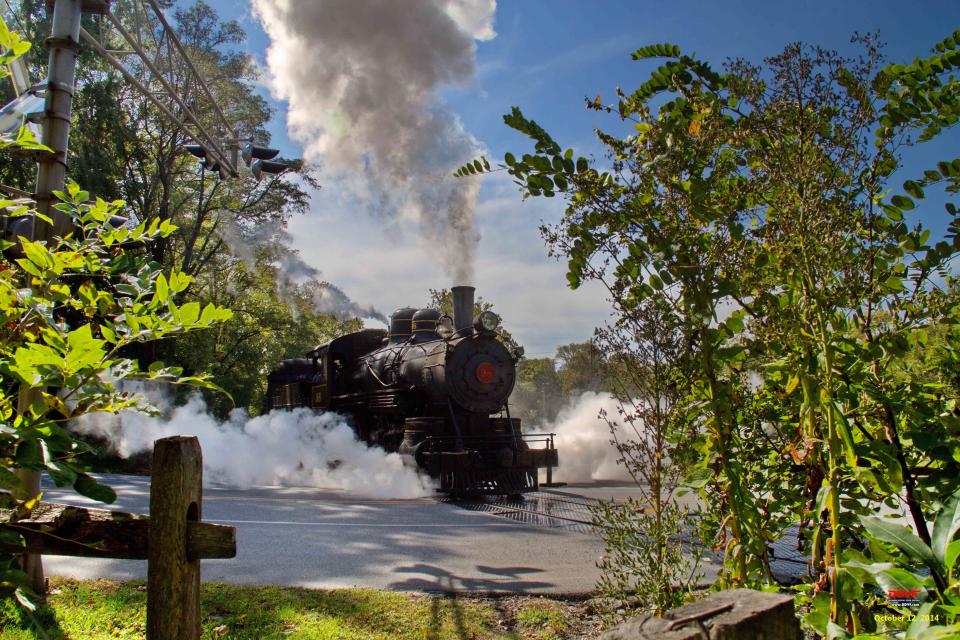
(71,313)
(230,235)
(759,205)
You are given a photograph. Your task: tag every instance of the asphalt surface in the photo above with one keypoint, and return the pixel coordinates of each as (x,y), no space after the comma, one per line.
(328,538)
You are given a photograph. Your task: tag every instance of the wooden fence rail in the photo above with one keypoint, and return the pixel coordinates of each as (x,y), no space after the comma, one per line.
(172,539)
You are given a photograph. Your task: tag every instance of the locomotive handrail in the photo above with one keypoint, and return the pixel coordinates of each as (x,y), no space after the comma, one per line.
(375,376)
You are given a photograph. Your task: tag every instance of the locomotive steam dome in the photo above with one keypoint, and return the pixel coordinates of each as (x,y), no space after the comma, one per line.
(480,374)
(401,325)
(424,324)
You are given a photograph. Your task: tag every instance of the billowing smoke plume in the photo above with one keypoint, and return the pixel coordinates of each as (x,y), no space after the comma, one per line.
(290,448)
(328,298)
(293,271)
(361,79)
(583,440)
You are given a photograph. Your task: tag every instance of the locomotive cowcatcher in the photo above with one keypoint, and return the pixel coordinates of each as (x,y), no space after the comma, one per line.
(434,389)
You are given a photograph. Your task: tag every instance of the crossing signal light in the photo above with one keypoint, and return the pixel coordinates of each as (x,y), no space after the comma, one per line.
(200,151)
(206,161)
(259,159)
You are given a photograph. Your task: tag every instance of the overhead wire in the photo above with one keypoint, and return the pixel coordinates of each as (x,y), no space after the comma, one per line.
(15,16)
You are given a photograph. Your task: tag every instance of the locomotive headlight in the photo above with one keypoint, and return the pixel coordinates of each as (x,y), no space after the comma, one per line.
(488,321)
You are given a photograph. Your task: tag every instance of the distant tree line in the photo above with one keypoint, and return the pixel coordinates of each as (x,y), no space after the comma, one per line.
(547,385)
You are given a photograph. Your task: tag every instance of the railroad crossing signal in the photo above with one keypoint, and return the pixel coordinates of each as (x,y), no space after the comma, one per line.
(259,159)
(206,161)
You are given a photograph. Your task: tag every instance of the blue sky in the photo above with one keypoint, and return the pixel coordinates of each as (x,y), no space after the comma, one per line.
(545,58)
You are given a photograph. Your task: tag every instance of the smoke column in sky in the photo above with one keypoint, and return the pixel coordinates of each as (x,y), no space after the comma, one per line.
(290,448)
(292,270)
(361,81)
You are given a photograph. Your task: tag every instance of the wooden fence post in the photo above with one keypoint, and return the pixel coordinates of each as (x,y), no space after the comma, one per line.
(173,577)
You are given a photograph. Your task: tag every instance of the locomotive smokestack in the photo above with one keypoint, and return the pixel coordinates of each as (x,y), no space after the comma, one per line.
(462,307)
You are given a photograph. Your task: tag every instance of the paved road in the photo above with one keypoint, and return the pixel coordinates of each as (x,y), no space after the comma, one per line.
(327,538)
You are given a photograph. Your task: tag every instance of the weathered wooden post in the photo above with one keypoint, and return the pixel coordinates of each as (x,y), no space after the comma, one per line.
(172,538)
(173,574)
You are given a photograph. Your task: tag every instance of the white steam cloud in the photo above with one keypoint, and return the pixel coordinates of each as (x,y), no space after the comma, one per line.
(583,440)
(288,448)
(361,80)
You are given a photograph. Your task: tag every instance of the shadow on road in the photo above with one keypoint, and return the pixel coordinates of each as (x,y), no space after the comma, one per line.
(502,579)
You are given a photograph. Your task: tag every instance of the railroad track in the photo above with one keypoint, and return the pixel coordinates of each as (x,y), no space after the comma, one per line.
(571,513)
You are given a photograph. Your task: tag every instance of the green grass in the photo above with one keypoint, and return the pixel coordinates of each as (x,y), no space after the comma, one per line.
(545,620)
(82,610)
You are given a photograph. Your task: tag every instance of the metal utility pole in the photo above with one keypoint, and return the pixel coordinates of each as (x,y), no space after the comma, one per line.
(63,45)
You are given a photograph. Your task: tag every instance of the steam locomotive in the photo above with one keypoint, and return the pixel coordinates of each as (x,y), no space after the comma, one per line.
(428,389)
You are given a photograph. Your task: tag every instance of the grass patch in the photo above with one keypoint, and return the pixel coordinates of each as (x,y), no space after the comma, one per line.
(544,620)
(102,609)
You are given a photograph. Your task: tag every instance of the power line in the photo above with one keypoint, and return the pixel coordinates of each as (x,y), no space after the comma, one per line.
(16,17)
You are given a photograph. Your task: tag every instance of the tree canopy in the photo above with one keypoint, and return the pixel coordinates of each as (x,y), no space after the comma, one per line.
(758,208)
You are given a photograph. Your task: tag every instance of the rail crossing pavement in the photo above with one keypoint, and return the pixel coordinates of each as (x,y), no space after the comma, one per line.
(325,538)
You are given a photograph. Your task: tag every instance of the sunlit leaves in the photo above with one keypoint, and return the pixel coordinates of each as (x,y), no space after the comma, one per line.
(753,204)
(88,300)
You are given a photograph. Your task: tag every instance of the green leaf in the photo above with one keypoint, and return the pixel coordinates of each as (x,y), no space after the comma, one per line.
(30,454)
(950,555)
(61,474)
(902,538)
(8,479)
(902,202)
(84,349)
(893,213)
(11,537)
(26,598)
(913,188)
(946,525)
(664,50)
(88,486)
(921,620)
(698,478)
(819,614)
(162,291)
(792,384)
(835,631)
(189,314)
(843,428)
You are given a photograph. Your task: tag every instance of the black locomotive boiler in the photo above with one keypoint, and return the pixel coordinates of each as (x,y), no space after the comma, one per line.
(434,389)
